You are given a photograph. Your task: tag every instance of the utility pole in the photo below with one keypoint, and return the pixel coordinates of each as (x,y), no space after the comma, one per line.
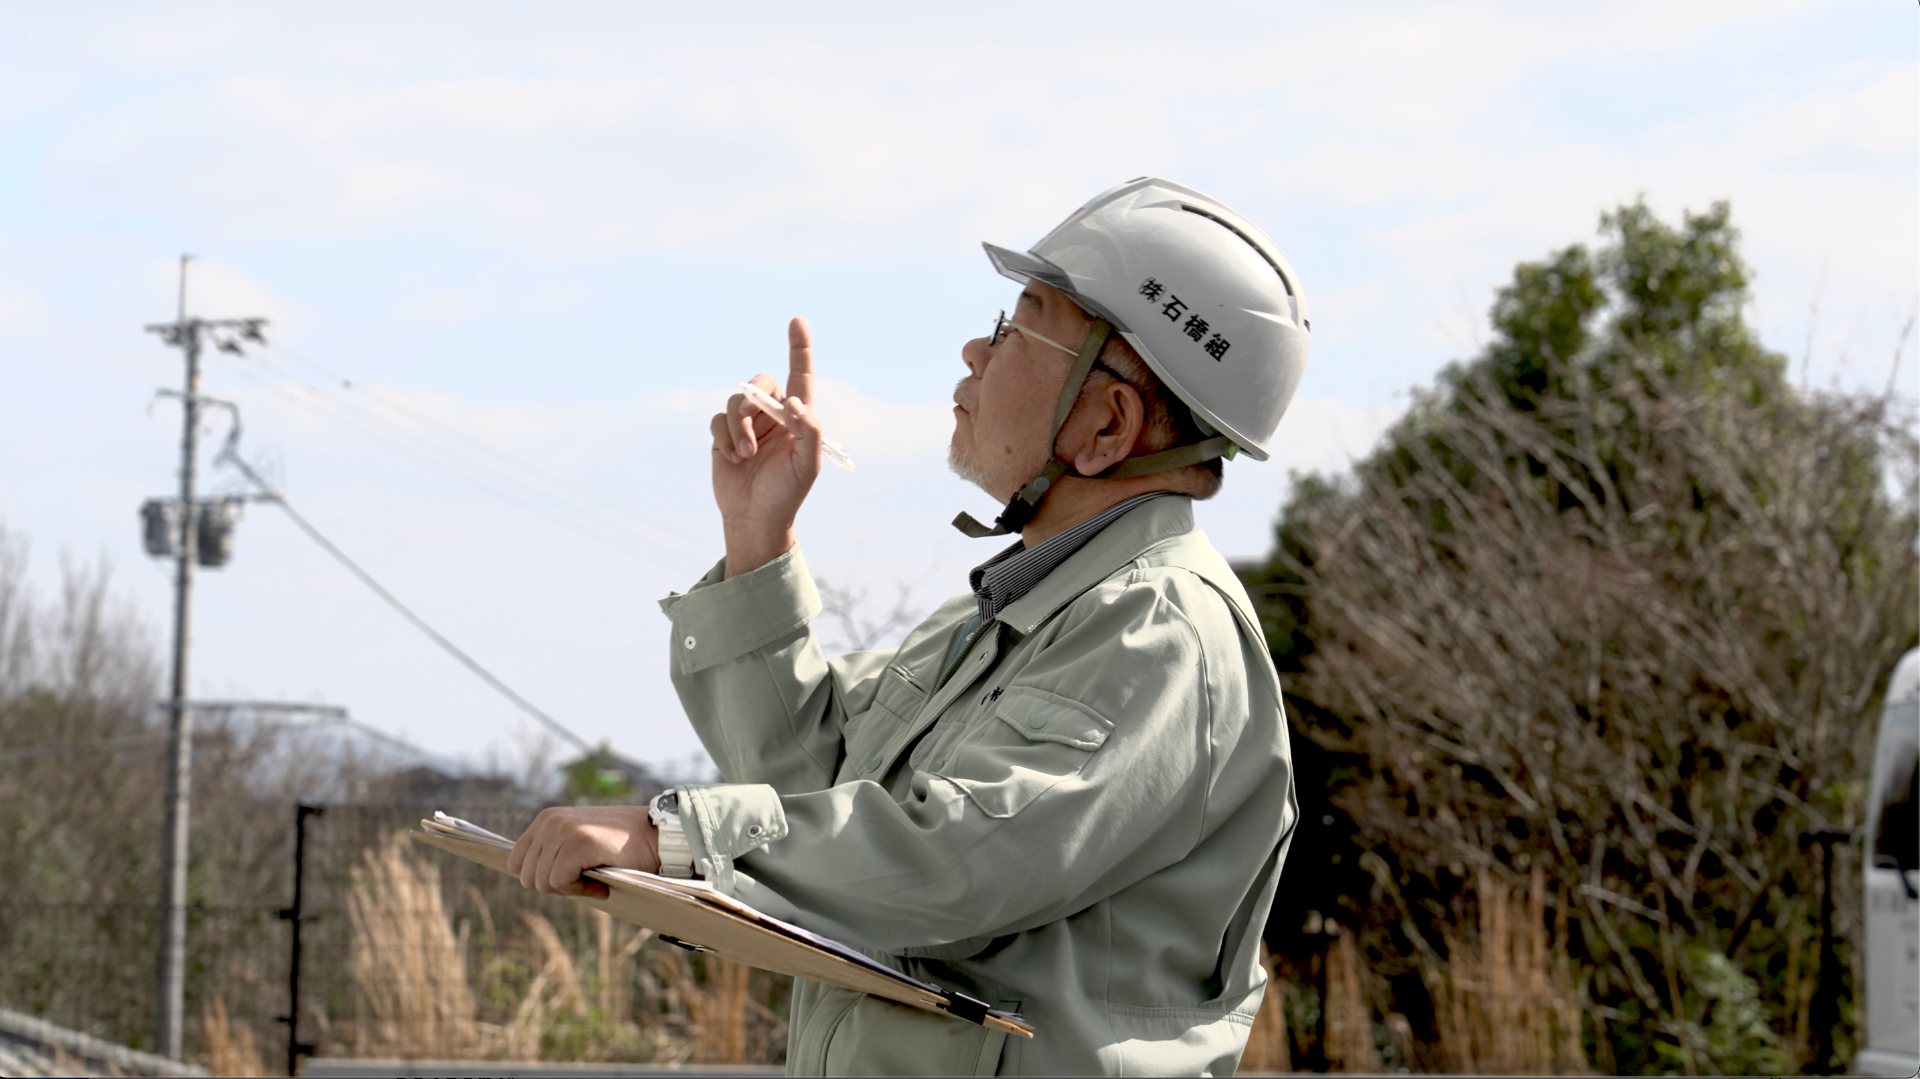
(187,335)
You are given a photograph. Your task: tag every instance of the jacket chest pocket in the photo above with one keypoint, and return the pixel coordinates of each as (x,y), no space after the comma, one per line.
(875,737)
(1032,742)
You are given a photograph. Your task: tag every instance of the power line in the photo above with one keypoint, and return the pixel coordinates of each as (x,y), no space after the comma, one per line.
(412,432)
(419,623)
(396,438)
(351,390)
(329,716)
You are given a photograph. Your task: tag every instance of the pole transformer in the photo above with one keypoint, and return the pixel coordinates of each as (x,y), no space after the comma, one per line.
(188,335)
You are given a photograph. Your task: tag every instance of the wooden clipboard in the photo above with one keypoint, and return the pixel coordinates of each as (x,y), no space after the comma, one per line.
(693,915)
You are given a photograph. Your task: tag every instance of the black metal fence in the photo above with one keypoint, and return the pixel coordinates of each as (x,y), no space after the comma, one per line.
(352,899)
(324,932)
(369,945)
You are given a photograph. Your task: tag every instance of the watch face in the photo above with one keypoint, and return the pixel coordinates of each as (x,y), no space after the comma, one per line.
(667,802)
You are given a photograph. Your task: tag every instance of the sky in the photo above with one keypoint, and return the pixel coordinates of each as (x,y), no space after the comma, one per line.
(515,257)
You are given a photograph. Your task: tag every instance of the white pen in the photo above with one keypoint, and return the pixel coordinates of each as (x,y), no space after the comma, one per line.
(777,412)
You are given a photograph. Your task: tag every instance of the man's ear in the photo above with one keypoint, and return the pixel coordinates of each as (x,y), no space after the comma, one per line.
(1121,418)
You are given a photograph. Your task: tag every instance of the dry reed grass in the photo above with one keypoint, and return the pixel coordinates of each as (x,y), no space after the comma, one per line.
(228,1045)
(616,947)
(557,970)
(1797,993)
(717,1009)
(1506,1001)
(410,965)
(421,997)
(1267,1043)
(417,997)
(584,1011)
(1349,1017)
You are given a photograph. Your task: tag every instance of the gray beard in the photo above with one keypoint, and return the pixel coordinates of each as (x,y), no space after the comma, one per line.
(966,468)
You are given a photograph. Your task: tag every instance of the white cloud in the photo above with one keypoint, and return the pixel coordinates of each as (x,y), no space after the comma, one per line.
(817,145)
(22,308)
(891,428)
(500,165)
(217,289)
(445,306)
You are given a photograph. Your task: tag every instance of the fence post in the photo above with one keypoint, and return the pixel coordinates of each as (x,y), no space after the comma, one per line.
(295,915)
(1823,1012)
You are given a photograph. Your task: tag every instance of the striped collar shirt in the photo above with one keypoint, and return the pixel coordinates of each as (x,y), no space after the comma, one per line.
(1012,573)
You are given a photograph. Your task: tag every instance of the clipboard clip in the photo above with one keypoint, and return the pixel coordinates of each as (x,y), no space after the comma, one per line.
(962,1006)
(965,1007)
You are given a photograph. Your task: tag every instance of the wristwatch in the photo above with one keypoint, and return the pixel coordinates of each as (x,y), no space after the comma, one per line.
(676,857)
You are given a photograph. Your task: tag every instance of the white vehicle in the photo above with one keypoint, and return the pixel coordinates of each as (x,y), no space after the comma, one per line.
(1891,1041)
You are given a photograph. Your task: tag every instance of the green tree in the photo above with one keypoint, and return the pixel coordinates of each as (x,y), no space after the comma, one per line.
(1612,603)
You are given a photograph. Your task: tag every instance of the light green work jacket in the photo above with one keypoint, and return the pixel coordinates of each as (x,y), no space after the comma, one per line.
(1079,812)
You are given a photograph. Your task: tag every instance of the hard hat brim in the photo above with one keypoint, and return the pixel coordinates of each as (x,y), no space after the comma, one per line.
(1022,266)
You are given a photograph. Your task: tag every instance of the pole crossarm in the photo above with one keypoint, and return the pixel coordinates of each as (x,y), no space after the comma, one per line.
(249,327)
(330,711)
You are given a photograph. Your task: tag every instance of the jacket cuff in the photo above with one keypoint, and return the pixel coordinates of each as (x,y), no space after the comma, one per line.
(725,821)
(718,620)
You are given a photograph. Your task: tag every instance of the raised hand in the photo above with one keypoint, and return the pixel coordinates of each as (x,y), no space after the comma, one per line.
(762,471)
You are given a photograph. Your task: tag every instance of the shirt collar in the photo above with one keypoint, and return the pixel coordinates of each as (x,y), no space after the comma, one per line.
(1011,574)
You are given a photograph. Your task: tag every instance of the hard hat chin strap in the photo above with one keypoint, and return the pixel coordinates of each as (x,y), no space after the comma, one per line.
(1192,453)
(1026,502)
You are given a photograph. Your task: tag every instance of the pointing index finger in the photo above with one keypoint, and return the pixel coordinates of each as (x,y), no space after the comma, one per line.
(800,360)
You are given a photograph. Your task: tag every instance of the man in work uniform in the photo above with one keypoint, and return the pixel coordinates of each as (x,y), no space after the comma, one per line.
(1068,793)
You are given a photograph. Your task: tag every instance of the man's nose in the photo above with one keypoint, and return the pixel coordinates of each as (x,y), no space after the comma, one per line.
(975,355)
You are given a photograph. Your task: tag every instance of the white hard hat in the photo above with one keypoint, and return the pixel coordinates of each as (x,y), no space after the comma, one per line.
(1202,295)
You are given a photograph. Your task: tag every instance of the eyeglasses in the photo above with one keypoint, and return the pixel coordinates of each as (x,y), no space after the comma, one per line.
(1001,324)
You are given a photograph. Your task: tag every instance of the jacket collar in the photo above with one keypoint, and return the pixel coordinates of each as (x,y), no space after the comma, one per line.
(1146,526)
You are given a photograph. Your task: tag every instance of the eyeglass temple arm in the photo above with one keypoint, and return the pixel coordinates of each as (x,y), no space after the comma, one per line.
(1042,338)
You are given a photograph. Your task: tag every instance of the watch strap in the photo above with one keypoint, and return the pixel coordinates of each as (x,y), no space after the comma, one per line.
(676,854)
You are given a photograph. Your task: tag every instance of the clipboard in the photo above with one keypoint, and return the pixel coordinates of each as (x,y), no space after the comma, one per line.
(691,914)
